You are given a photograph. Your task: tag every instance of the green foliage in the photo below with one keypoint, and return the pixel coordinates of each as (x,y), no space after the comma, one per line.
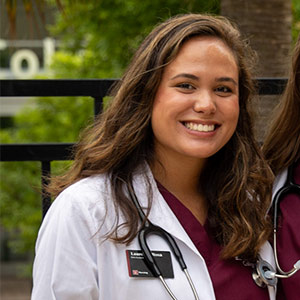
(97,39)
(296,19)
(51,120)
(104,34)
(20,202)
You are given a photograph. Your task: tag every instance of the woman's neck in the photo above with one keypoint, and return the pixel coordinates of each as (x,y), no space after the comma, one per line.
(181,178)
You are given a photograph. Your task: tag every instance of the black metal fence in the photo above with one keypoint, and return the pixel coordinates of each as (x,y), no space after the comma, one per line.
(95,88)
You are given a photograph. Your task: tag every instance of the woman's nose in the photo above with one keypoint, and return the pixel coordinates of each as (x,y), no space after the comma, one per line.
(204,103)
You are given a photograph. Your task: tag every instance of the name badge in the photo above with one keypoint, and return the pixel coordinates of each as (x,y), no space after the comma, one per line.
(137,266)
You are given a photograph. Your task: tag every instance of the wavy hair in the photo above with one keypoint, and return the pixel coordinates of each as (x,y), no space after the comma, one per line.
(282,143)
(236,181)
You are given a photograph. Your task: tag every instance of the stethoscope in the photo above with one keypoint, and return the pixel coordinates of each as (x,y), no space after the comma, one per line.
(264,274)
(148,229)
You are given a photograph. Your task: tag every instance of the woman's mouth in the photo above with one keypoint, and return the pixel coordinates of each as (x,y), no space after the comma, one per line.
(199,127)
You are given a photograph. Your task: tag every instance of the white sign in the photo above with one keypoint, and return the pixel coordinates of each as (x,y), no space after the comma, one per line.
(28,56)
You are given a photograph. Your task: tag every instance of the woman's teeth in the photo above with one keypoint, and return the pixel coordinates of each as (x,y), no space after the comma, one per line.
(199,127)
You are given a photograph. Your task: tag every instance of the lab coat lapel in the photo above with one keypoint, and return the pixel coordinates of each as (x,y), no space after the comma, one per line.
(267,254)
(279,182)
(160,213)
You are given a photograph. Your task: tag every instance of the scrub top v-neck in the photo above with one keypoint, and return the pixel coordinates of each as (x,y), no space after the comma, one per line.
(231,279)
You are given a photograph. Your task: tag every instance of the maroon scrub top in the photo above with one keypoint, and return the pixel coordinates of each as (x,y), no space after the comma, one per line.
(288,241)
(231,279)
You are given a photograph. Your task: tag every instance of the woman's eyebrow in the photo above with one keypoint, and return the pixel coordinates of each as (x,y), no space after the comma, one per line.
(186,75)
(230,79)
(194,77)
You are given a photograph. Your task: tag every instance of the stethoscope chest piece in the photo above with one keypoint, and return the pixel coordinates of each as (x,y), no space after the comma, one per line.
(263,274)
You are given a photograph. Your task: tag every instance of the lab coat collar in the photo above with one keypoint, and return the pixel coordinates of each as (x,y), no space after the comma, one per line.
(160,213)
(279,182)
(267,252)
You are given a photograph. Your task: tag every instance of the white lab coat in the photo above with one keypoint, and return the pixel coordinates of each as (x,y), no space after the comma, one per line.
(279,182)
(73,263)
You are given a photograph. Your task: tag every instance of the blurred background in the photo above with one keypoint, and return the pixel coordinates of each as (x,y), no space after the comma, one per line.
(52,39)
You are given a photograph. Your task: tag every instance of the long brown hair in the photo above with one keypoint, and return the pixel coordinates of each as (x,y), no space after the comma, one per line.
(236,180)
(282,143)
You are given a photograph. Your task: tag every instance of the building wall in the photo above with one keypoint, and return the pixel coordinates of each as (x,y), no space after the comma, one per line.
(26,47)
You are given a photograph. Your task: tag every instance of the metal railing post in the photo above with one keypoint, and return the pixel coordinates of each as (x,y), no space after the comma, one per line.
(98,103)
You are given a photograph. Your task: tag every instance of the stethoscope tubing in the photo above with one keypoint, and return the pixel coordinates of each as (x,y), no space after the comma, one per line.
(147,229)
(289,187)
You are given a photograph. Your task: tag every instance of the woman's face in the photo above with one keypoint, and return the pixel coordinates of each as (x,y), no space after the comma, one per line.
(196,107)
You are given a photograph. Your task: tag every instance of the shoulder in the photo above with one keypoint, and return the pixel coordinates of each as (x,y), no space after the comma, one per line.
(88,189)
(87,199)
(91,200)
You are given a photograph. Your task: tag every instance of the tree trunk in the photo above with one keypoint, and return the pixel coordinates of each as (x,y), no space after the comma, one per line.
(267,24)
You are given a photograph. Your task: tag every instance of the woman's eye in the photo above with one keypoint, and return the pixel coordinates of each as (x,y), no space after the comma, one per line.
(185,86)
(223,89)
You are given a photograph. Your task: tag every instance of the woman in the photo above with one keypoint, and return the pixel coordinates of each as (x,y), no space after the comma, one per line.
(177,139)
(282,150)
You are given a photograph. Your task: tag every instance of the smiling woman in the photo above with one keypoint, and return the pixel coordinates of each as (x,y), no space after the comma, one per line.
(195,113)
(173,156)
